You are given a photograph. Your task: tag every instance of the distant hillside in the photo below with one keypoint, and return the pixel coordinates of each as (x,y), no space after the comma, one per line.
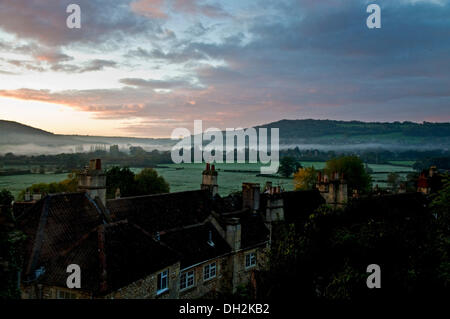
(23,139)
(355,132)
(320,134)
(16,133)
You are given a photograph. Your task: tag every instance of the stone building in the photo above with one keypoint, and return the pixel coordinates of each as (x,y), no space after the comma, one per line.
(177,245)
(187,244)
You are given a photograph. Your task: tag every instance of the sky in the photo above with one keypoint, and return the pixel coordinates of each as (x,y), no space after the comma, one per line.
(144,67)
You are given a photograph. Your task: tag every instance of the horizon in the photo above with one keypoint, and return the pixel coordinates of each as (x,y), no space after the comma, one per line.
(142,68)
(263,124)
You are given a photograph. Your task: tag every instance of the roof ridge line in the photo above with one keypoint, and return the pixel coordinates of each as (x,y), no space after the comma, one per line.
(156,195)
(204,222)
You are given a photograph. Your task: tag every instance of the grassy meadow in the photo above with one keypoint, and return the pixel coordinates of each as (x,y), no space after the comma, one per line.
(183,177)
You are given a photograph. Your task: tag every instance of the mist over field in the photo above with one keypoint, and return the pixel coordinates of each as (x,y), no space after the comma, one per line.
(322,135)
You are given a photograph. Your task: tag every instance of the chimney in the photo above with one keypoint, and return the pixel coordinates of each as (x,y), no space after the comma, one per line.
(233,233)
(93,181)
(209,180)
(250,196)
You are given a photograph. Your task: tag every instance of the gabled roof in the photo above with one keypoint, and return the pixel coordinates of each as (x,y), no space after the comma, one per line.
(54,224)
(162,211)
(192,243)
(111,256)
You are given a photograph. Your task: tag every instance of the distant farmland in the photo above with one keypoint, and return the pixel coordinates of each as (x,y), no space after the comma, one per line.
(183,177)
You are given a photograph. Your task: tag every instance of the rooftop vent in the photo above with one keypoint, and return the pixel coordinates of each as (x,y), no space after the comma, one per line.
(210,241)
(39,272)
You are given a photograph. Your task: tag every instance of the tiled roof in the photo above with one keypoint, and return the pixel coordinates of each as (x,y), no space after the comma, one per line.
(111,257)
(162,211)
(192,243)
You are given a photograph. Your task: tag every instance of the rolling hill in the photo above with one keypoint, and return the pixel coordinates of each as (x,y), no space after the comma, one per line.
(17,137)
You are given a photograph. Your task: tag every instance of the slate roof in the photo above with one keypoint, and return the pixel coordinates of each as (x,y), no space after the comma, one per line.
(54,223)
(111,256)
(162,211)
(192,243)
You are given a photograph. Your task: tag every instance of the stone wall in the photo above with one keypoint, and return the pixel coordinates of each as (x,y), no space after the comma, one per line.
(146,288)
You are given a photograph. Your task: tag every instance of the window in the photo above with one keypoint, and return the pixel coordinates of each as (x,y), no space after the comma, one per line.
(209,271)
(163,281)
(187,280)
(250,260)
(66,295)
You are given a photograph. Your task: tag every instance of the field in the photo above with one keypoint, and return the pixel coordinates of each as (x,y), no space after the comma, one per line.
(183,177)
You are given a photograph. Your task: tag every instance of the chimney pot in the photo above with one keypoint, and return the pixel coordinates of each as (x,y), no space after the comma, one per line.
(98,164)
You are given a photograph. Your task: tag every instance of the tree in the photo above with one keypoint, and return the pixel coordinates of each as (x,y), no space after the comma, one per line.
(441,202)
(120,178)
(288,166)
(148,182)
(6,197)
(11,249)
(393,180)
(305,178)
(354,173)
(68,185)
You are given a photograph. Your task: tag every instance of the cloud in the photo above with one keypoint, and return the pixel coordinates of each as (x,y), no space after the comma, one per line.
(173,56)
(159,9)
(266,61)
(45,21)
(156,84)
(152,9)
